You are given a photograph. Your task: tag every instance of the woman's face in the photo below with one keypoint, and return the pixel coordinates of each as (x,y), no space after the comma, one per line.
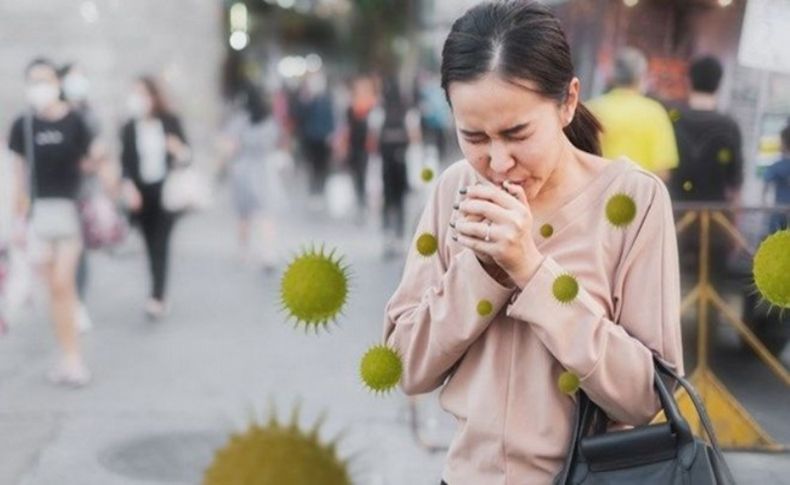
(43,87)
(511,132)
(139,102)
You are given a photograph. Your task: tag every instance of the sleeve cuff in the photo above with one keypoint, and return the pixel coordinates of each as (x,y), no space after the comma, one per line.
(563,314)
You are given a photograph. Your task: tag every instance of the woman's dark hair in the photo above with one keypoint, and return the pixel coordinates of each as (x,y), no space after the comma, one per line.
(517,39)
(705,74)
(159,105)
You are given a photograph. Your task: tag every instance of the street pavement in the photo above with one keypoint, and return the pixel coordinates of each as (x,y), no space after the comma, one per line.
(166,394)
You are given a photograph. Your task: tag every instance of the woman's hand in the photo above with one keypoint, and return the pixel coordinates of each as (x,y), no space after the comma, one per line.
(177,149)
(131,197)
(497,225)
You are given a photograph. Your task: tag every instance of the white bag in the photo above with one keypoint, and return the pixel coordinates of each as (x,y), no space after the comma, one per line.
(186,189)
(340,195)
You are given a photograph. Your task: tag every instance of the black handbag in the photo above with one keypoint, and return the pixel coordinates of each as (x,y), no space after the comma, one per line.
(665,453)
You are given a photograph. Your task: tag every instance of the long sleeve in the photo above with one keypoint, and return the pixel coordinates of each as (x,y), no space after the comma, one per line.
(434,316)
(614,360)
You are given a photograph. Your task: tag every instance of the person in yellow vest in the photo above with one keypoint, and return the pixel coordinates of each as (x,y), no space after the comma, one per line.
(635,126)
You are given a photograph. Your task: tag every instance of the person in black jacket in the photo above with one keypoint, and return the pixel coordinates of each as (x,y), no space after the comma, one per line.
(153,142)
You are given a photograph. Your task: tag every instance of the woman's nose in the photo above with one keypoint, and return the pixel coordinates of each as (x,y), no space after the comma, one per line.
(501,160)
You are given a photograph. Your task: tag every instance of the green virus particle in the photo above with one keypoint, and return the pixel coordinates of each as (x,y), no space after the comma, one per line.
(381,368)
(772,268)
(565,288)
(620,210)
(724,156)
(546,230)
(314,288)
(568,383)
(277,454)
(484,308)
(426,174)
(688,186)
(426,244)
(674,115)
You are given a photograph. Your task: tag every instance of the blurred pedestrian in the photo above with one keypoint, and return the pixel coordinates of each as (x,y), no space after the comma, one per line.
(363,100)
(711,162)
(76,88)
(778,175)
(634,125)
(709,142)
(393,141)
(153,143)
(317,123)
(435,116)
(252,141)
(51,143)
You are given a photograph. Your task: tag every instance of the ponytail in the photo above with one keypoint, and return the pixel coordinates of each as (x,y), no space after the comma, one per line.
(584,131)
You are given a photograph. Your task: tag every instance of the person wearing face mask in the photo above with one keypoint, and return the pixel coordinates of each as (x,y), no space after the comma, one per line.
(152,144)
(76,87)
(51,143)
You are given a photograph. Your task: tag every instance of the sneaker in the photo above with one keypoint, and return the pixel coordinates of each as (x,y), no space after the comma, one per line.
(84,322)
(71,373)
(155,309)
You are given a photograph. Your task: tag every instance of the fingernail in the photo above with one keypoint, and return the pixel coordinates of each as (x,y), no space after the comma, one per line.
(462,191)
(455,237)
(455,206)
(452,224)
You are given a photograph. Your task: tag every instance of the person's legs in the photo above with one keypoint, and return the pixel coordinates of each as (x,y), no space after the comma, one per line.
(147,221)
(322,165)
(60,273)
(160,253)
(312,150)
(243,234)
(83,319)
(358,165)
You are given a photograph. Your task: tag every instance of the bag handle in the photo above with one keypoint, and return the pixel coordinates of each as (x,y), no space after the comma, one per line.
(587,411)
(707,425)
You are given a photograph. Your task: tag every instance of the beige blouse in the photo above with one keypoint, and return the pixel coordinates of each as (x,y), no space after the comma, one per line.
(500,369)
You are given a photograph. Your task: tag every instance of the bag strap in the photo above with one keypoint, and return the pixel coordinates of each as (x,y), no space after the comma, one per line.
(30,155)
(703,416)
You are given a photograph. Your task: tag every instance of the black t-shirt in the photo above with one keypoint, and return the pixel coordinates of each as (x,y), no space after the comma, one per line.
(709,148)
(58,148)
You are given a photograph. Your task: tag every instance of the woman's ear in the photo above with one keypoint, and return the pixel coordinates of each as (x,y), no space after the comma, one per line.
(568,109)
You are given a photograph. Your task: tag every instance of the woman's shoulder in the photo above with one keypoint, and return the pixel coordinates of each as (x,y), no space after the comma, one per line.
(636,182)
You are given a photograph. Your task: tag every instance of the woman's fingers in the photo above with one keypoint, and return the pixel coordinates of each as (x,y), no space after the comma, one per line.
(477,230)
(517,191)
(485,209)
(478,245)
(500,196)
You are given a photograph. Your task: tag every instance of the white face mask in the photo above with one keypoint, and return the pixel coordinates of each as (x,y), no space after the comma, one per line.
(76,87)
(41,95)
(138,106)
